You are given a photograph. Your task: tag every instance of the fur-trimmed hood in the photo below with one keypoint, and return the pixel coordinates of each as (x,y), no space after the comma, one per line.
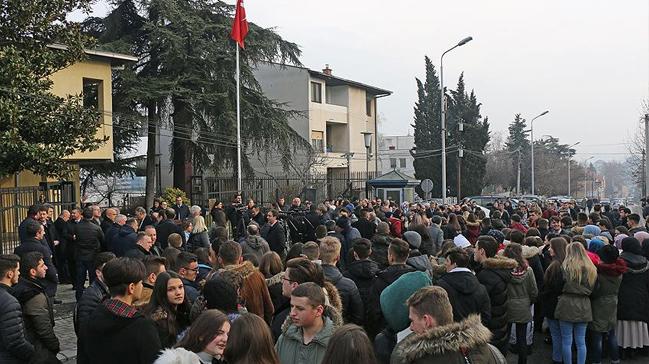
(467,335)
(245,269)
(499,262)
(178,356)
(277,278)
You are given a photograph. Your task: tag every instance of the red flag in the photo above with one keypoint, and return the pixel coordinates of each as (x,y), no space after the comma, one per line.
(239,25)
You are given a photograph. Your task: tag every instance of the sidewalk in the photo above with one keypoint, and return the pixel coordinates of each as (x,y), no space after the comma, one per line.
(64,328)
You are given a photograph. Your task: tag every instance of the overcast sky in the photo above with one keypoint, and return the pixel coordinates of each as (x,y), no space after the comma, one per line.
(587,61)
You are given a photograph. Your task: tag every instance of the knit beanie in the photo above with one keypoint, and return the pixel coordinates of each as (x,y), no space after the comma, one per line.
(393,298)
(413,238)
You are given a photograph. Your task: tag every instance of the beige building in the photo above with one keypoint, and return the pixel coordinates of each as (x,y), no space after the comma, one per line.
(91,78)
(335,113)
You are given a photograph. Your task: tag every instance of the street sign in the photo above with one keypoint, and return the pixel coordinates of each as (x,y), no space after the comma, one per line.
(426,185)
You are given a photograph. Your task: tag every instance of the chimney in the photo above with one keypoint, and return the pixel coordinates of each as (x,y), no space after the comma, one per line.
(327,70)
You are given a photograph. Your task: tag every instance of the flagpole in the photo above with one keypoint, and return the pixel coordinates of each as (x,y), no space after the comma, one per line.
(239,187)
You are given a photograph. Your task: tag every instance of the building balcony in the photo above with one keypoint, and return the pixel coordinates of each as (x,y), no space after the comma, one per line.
(328,113)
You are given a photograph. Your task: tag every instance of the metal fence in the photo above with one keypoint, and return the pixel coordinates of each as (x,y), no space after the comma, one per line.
(266,189)
(15,202)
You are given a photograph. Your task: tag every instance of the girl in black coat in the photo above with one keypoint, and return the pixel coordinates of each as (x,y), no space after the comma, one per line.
(550,292)
(168,308)
(633,298)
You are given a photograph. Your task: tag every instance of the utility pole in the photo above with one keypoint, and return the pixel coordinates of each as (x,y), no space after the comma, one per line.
(460,155)
(644,175)
(644,164)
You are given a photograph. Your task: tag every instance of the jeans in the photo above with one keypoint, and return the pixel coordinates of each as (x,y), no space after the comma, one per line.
(84,267)
(555,332)
(596,346)
(568,330)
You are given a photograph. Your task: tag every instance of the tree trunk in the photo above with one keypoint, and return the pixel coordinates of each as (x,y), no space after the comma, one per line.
(151,154)
(182,163)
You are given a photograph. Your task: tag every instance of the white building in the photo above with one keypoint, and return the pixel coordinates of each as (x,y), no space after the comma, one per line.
(394,153)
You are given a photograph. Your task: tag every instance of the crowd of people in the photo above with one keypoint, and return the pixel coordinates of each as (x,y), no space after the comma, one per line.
(364,281)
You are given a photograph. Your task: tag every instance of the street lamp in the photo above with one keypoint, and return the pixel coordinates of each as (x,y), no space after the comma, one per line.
(442,97)
(532,138)
(569,166)
(367,136)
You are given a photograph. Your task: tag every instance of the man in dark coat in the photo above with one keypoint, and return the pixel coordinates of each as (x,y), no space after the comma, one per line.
(116,331)
(34,233)
(65,236)
(88,240)
(274,234)
(92,297)
(465,292)
(398,252)
(124,239)
(167,227)
(494,273)
(351,299)
(182,210)
(108,220)
(364,226)
(37,308)
(14,347)
(362,269)
(141,248)
(380,243)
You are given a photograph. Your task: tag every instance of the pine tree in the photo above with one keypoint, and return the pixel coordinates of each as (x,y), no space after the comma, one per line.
(427,129)
(518,140)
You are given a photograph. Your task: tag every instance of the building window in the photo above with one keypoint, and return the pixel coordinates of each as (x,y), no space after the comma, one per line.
(368,105)
(393,163)
(402,162)
(91,90)
(316,92)
(317,140)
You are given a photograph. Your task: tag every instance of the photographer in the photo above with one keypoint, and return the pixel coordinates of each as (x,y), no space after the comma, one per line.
(234,215)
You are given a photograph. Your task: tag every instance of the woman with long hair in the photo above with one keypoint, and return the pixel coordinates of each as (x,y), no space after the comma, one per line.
(521,294)
(349,345)
(204,342)
(472,228)
(250,342)
(168,307)
(452,227)
(573,307)
(273,270)
(633,299)
(198,237)
(551,290)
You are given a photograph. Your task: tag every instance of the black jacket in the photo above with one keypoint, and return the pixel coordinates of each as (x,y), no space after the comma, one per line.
(137,252)
(39,319)
(110,338)
(218,217)
(365,227)
(551,290)
(349,296)
(467,295)
(92,296)
(375,321)
(123,241)
(63,231)
(494,274)
(164,229)
(147,221)
(32,245)
(275,236)
(182,211)
(106,224)
(362,272)
(633,296)
(14,347)
(89,238)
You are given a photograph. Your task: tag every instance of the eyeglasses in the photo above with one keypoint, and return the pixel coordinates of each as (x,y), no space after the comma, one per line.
(191,269)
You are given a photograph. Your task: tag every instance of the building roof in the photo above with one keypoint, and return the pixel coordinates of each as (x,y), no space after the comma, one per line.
(115,59)
(335,81)
(394,178)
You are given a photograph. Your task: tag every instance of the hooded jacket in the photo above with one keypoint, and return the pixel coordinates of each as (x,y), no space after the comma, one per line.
(254,290)
(290,345)
(255,245)
(604,297)
(122,336)
(39,319)
(633,296)
(467,295)
(420,262)
(461,342)
(375,320)
(521,293)
(123,241)
(574,303)
(353,310)
(362,272)
(14,347)
(495,274)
